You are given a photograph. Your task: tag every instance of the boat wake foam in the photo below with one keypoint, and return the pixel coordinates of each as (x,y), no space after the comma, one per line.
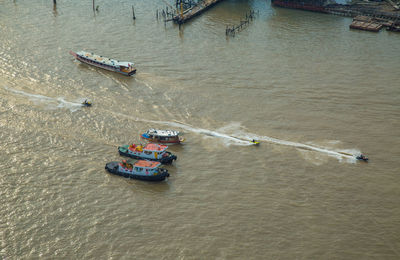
(246,139)
(53,103)
(190,128)
(348,155)
(241,138)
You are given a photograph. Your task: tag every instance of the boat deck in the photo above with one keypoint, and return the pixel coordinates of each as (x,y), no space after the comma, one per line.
(149,164)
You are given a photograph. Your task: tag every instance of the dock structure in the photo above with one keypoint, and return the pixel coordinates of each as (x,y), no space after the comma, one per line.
(366,24)
(197,9)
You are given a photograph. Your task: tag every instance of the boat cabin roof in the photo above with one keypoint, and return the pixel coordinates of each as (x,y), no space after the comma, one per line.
(155,147)
(104,60)
(159,132)
(147,164)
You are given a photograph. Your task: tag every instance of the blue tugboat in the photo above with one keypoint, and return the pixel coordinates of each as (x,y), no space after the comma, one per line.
(141,170)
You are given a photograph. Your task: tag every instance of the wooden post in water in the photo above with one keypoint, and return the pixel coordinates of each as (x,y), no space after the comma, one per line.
(55,7)
(93,6)
(133,13)
(181,10)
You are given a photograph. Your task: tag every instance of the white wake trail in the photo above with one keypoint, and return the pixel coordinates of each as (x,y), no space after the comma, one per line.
(337,154)
(246,139)
(190,128)
(60,102)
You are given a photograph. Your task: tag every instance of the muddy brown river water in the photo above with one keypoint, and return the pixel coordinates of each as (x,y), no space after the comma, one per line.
(301,83)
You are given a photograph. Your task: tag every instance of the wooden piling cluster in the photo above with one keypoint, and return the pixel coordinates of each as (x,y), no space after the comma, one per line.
(231,31)
(165,14)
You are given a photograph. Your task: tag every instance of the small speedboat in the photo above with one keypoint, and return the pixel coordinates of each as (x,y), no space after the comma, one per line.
(86,103)
(141,170)
(162,136)
(153,152)
(254,142)
(362,157)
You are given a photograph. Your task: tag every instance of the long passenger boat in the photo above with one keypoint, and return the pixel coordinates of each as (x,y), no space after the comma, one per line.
(123,67)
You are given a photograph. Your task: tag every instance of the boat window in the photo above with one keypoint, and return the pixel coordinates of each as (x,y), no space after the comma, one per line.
(138,169)
(147,152)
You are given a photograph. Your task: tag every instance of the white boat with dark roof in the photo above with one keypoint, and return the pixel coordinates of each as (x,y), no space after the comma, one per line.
(123,67)
(162,136)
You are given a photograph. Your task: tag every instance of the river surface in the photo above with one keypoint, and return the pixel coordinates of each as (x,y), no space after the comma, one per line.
(313,92)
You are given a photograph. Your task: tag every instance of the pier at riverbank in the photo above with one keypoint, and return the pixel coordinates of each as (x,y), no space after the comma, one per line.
(199,8)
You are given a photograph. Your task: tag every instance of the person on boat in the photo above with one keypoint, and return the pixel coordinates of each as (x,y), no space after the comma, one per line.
(362,157)
(87,103)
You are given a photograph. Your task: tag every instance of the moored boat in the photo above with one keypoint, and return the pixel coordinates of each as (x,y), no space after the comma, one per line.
(141,170)
(162,136)
(123,67)
(154,152)
(309,5)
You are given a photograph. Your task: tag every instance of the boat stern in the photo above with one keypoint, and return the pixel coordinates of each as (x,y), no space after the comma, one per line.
(112,167)
(132,72)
